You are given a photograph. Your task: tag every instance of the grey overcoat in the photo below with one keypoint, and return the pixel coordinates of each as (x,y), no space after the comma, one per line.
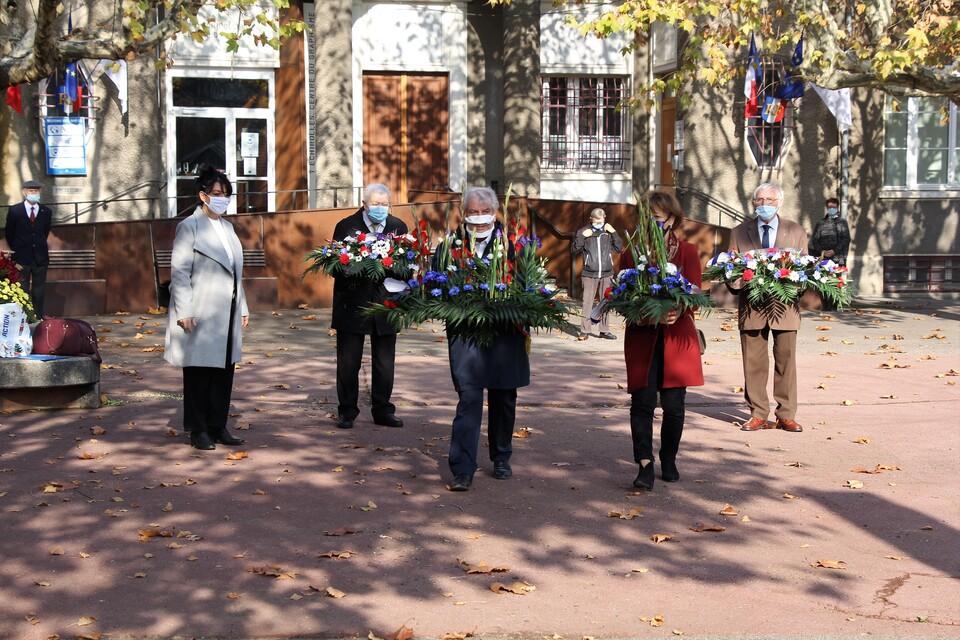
(201,286)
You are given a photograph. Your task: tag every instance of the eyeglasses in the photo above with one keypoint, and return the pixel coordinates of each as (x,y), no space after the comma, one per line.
(766,200)
(479,212)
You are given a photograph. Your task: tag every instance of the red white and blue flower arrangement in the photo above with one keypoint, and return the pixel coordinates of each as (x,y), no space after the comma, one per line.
(649,291)
(372,256)
(780,276)
(479,298)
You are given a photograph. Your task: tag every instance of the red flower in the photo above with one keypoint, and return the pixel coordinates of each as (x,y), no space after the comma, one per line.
(344,258)
(508,278)
(388,261)
(841,282)
(608,292)
(423,223)
(390,304)
(784,273)
(747,275)
(361,237)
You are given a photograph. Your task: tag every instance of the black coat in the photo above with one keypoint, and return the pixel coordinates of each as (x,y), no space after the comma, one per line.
(504,364)
(351,295)
(27,240)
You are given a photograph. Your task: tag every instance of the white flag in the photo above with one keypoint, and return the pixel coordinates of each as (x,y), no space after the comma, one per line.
(838,101)
(116,70)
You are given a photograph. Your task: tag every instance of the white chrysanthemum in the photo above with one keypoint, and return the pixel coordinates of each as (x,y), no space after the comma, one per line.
(817,275)
(752,264)
(671,268)
(723,258)
(771,266)
(794,276)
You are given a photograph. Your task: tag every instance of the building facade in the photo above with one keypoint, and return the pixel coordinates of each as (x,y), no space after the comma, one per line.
(433,95)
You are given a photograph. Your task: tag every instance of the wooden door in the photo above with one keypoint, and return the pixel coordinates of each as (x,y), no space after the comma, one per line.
(668,117)
(405,138)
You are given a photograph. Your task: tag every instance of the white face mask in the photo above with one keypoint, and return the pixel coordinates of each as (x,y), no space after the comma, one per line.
(218,204)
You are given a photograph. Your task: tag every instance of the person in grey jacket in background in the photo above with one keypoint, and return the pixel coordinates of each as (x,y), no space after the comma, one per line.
(597,242)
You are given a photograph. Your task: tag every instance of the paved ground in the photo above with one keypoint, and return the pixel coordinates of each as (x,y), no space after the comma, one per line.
(78,489)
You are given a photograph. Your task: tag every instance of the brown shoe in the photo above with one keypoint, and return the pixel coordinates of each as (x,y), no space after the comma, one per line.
(755,424)
(789,425)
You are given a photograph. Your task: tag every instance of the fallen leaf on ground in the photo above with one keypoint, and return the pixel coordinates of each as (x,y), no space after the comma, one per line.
(853,484)
(233,595)
(700,528)
(655,621)
(728,510)
(830,564)
(237,455)
(167,507)
(847,403)
(789,496)
(661,537)
(519,587)
(342,531)
(880,468)
(56,551)
(480,567)
(456,635)
(523,432)
(334,592)
(371,505)
(339,555)
(626,515)
(403,633)
(146,534)
(273,571)
(97,430)
(42,583)
(862,440)
(259,492)
(282,387)
(737,389)
(894,557)
(85,621)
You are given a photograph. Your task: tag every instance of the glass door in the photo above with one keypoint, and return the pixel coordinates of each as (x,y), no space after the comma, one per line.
(200,141)
(252,170)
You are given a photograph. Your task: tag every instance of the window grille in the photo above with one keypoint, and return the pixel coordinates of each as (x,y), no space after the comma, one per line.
(921,274)
(768,141)
(584,127)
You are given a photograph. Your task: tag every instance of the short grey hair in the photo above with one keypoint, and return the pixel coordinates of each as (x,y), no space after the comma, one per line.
(486,195)
(373,189)
(769,185)
(598,213)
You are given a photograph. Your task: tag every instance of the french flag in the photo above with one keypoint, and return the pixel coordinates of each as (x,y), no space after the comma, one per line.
(751,110)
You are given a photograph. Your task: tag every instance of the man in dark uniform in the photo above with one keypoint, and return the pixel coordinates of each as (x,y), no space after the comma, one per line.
(350,296)
(27,229)
(500,368)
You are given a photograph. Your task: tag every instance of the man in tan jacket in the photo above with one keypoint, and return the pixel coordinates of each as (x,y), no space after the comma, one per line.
(768,229)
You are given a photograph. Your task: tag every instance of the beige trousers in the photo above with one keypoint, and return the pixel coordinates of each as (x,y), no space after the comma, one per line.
(756,365)
(593,288)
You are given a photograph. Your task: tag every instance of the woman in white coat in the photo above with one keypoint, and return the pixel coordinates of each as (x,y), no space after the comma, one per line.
(208,312)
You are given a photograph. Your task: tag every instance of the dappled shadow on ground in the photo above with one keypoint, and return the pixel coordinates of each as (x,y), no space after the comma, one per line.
(76,500)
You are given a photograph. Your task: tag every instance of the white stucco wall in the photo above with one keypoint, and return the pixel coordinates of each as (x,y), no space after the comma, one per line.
(413,37)
(563,51)
(213,52)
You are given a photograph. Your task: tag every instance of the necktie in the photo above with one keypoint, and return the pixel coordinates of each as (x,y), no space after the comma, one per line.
(33,214)
(765,240)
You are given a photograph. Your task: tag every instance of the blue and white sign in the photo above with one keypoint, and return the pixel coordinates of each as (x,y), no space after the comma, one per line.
(66,146)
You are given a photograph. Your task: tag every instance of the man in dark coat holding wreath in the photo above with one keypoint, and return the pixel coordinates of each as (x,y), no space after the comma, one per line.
(350,296)
(500,368)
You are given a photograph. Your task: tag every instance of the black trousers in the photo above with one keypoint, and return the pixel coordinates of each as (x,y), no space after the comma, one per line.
(642,404)
(206,398)
(349,354)
(33,278)
(501,416)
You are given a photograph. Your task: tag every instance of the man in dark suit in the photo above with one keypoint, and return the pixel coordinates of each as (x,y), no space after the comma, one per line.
(500,368)
(768,230)
(350,296)
(27,229)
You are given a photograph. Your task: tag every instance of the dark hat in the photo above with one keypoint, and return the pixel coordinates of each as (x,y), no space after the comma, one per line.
(32,184)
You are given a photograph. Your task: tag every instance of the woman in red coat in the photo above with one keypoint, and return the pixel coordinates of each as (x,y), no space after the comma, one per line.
(662,358)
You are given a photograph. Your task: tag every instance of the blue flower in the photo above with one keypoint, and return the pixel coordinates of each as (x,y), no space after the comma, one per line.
(430,276)
(413,283)
(486,261)
(442,279)
(484,286)
(468,287)
(501,286)
(653,270)
(454,291)
(655,288)
(471,263)
(410,254)
(436,293)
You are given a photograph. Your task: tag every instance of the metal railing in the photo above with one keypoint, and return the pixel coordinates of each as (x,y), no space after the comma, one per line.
(563,235)
(722,208)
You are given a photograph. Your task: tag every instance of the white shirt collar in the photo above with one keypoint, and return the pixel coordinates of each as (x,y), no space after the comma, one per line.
(774,224)
(29,205)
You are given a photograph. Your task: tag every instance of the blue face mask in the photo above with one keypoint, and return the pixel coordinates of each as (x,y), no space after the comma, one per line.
(598,225)
(766,212)
(33,198)
(833,212)
(378,213)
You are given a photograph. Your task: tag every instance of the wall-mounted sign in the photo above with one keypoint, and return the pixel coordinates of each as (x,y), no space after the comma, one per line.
(66,146)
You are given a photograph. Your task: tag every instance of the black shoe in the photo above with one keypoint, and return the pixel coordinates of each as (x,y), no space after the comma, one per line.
(668,471)
(201,440)
(390,420)
(644,479)
(606,335)
(344,422)
(460,483)
(225,437)
(502,470)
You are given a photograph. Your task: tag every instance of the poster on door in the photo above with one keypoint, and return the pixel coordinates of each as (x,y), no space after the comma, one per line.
(249,151)
(65,141)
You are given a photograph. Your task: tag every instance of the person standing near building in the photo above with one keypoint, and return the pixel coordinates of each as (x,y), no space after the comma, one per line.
(768,230)
(27,229)
(350,296)
(831,236)
(598,241)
